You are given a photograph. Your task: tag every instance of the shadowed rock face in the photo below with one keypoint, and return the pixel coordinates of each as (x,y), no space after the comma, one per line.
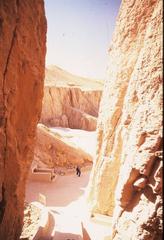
(22,51)
(126,179)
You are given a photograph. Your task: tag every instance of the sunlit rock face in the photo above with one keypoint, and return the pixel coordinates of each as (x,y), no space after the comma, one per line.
(22,51)
(70,101)
(54,150)
(126,178)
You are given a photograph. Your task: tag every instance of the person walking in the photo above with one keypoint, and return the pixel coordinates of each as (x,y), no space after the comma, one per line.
(78,171)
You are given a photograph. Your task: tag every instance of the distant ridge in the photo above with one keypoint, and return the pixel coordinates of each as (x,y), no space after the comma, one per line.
(55,76)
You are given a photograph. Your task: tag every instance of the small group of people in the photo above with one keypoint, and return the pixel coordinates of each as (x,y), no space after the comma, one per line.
(78,171)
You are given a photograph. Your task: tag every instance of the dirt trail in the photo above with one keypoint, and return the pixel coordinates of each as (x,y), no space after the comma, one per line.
(65,197)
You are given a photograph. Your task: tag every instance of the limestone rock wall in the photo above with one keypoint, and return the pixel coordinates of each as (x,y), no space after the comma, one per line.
(129,130)
(70,107)
(22,54)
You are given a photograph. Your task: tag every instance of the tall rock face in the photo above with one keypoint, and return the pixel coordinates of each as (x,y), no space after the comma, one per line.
(22,61)
(126,178)
(72,107)
(69,100)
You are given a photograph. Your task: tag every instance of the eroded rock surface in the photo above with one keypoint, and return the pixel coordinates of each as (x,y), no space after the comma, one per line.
(70,101)
(53,150)
(22,61)
(130,126)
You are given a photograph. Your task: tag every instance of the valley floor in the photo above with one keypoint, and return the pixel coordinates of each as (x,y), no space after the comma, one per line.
(65,197)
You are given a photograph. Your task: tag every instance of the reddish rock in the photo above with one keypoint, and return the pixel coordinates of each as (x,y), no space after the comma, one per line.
(140,183)
(22,61)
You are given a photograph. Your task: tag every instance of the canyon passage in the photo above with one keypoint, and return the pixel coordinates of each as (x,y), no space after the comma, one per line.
(125,184)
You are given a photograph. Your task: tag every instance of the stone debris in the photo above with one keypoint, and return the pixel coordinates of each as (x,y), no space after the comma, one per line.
(30,222)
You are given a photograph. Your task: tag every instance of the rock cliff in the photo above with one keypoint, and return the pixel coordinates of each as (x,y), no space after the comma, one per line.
(70,101)
(126,179)
(22,61)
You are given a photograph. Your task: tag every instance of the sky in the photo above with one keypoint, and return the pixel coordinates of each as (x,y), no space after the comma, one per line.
(79,34)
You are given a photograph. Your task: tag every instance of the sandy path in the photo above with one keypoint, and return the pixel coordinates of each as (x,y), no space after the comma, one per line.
(60,193)
(66,199)
(63,197)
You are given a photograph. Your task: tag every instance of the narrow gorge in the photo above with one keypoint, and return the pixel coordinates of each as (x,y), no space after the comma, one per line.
(126,178)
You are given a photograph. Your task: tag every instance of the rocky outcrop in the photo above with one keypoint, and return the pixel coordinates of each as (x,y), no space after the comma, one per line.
(52,150)
(70,101)
(70,107)
(22,51)
(126,178)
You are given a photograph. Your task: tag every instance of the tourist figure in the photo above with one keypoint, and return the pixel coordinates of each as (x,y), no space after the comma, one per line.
(78,171)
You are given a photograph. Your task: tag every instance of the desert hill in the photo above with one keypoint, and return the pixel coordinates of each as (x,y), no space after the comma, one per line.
(55,76)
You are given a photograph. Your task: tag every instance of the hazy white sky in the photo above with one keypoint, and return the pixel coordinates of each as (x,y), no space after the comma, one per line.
(79,34)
